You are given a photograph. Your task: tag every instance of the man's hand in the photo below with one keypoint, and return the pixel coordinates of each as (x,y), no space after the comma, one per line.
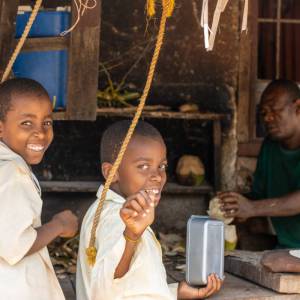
(188,292)
(235,205)
(137,214)
(67,222)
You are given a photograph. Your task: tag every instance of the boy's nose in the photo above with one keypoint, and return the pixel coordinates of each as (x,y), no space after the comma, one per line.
(40,133)
(156,176)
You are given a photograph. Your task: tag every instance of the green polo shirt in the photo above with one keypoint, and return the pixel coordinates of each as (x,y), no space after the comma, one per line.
(277,174)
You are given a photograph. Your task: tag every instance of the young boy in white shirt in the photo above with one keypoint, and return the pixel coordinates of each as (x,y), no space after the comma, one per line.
(129,260)
(26,132)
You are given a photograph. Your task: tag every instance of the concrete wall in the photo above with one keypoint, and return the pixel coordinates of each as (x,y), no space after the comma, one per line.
(186,72)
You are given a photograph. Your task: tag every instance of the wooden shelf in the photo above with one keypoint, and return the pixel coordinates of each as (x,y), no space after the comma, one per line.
(92,187)
(166,114)
(126,112)
(46,44)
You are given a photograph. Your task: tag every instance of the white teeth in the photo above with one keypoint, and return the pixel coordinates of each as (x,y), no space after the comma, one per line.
(36,148)
(153,191)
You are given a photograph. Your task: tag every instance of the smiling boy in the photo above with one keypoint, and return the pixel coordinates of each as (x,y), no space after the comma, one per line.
(26,132)
(129,260)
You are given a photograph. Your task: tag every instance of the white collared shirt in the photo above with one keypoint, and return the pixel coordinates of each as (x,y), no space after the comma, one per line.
(22,277)
(146,278)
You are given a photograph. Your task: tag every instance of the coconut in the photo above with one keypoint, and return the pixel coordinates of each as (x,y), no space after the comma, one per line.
(230,237)
(215,211)
(189,108)
(190,170)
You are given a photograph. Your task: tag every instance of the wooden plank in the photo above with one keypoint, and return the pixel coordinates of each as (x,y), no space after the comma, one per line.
(254,57)
(126,112)
(247,265)
(245,79)
(123,112)
(217,140)
(45,44)
(248,77)
(235,288)
(92,187)
(83,65)
(8,13)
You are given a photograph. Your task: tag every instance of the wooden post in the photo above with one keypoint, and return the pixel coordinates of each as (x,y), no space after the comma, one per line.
(8,13)
(83,65)
(247,76)
(217,140)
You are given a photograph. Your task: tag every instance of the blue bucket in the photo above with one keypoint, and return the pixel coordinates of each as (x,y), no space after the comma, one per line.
(47,67)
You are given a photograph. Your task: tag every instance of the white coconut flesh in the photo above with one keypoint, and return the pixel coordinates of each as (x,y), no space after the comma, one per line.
(215,211)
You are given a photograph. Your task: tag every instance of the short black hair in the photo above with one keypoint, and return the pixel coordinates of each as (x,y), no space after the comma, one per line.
(114,135)
(18,86)
(290,87)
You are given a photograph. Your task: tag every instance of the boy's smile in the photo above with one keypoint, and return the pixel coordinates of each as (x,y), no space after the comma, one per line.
(143,168)
(27,128)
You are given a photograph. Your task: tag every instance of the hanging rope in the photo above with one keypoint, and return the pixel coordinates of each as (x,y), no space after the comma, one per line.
(151,8)
(168,6)
(22,39)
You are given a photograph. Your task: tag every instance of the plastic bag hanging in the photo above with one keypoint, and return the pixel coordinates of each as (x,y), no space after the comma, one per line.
(204,23)
(221,5)
(245,16)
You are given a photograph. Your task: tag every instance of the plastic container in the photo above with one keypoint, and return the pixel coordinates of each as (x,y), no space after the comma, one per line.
(204,249)
(47,67)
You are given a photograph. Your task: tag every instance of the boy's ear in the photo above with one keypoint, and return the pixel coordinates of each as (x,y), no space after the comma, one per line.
(297,103)
(1,129)
(106,167)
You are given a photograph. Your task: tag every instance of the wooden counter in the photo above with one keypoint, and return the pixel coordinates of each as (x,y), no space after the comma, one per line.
(235,288)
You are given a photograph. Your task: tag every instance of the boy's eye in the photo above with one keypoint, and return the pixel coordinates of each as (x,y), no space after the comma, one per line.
(143,167)
(48,123)
(163,167)
(26,123)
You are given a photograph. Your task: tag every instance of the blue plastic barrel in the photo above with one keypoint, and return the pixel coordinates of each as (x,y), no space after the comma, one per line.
(47,67)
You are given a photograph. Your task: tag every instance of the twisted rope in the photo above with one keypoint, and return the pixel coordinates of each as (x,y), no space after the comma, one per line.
(22,39)
(91,251)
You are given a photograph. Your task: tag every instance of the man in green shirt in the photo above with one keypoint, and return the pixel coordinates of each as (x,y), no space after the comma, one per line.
(276,183)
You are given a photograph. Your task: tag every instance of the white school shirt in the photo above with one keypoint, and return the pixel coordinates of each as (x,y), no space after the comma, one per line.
(22,277)
(146,278)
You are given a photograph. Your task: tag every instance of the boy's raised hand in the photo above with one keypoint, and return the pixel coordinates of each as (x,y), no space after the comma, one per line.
(138,213)
(186,291)
(68,223)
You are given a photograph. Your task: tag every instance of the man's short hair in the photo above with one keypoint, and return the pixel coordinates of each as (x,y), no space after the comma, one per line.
(15,87)
(114,135)
(289,86)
